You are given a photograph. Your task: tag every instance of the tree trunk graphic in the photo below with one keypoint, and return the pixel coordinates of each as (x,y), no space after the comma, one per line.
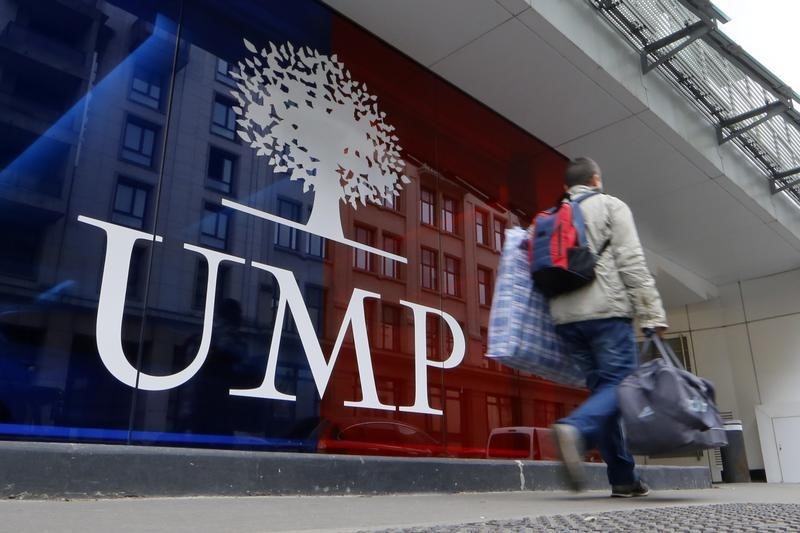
(303,112)
(326,218)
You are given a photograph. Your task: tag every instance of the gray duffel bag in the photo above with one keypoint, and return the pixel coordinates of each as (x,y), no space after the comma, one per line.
(666,410)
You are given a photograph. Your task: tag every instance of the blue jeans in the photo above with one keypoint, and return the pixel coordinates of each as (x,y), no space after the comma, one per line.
(607,350)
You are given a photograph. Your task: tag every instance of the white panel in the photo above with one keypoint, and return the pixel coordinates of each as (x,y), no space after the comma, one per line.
(682,128)
(788,229)
(678,319)
(688,212)
(787,435)
(520,76)
(426,31)
(772,295)
(638,166)
(711,357)
(595,49)
(746,182)
(681,125)
(776,348)
(786,212)
(721,311)
(515,7)
(747,252)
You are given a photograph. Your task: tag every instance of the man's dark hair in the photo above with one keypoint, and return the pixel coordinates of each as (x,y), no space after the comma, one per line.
(580,171)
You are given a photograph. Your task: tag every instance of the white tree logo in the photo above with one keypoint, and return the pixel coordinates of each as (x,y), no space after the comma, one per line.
(303,111)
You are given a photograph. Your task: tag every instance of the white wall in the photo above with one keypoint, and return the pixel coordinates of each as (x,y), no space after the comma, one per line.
(747,341)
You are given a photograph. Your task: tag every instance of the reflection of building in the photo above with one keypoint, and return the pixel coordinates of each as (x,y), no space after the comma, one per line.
(155,149)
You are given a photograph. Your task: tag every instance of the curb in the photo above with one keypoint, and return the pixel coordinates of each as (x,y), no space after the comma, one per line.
(33,470)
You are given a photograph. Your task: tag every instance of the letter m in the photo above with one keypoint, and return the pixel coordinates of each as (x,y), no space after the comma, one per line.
(321,369)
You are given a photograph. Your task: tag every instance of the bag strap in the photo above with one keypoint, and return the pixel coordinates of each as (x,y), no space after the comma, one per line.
(665,350)
(578,214)
(583,196)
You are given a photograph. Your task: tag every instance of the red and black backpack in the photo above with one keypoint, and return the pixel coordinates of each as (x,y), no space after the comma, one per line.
(561,260)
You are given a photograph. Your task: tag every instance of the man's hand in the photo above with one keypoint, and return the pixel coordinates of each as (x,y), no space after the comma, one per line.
(660,331)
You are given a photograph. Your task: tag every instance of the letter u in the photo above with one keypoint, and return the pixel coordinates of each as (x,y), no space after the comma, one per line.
(119,248)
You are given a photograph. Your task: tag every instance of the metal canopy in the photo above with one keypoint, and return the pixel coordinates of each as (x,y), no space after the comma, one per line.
(745,102)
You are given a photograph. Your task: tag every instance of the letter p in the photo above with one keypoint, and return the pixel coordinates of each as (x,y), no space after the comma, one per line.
(421,361)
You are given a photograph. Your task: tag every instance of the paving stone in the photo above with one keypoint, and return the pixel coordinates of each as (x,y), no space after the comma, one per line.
(730,518)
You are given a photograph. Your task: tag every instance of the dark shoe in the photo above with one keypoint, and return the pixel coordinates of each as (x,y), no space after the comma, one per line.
(570,448)
(635,490)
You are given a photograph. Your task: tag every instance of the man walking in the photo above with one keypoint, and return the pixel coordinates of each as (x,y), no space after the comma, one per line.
(596,324)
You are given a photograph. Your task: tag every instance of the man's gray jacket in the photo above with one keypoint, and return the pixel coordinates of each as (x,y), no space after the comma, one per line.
(624,286)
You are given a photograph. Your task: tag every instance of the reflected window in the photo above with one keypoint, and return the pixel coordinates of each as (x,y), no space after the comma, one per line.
(427,207)
(546,413)
(214,227)
(139,141)
(484,332)
(315,302)
(484,286)
(130,204)
(221,167)
(432,327)
(223,119)
(316,246)
(21,248)
(391,202)
(201,284)
(389,333)
(286,237)
(500,411)
(449,340)
(481,227)
(389,267)
(452,408)
(146,88)
(288,325)
(428,268)
(362,259)
(223,72)
(499,233)
(136,273)
(452,276)
(449,214)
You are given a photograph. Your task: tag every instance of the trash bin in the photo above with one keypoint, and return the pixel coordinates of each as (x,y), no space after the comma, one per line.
(734,458)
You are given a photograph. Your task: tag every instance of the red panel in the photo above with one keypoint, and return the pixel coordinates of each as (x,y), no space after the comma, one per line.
(462,150)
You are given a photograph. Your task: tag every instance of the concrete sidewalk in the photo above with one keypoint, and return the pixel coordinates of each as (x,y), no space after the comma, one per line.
(349,513)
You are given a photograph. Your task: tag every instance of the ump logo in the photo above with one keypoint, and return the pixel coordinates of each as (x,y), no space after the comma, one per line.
(304,113)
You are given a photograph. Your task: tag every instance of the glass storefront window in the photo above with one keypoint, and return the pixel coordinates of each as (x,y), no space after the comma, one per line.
(208,250)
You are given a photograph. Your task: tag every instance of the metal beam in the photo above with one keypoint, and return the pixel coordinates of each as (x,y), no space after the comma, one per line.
(689,33)
(704,9)
(769,111)
(775,189)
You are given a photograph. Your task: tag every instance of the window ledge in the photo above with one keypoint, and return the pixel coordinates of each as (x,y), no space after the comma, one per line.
(452,234)
(390,210)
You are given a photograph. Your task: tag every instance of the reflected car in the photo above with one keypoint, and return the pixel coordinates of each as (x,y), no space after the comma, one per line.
(375,437)
(526,442)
